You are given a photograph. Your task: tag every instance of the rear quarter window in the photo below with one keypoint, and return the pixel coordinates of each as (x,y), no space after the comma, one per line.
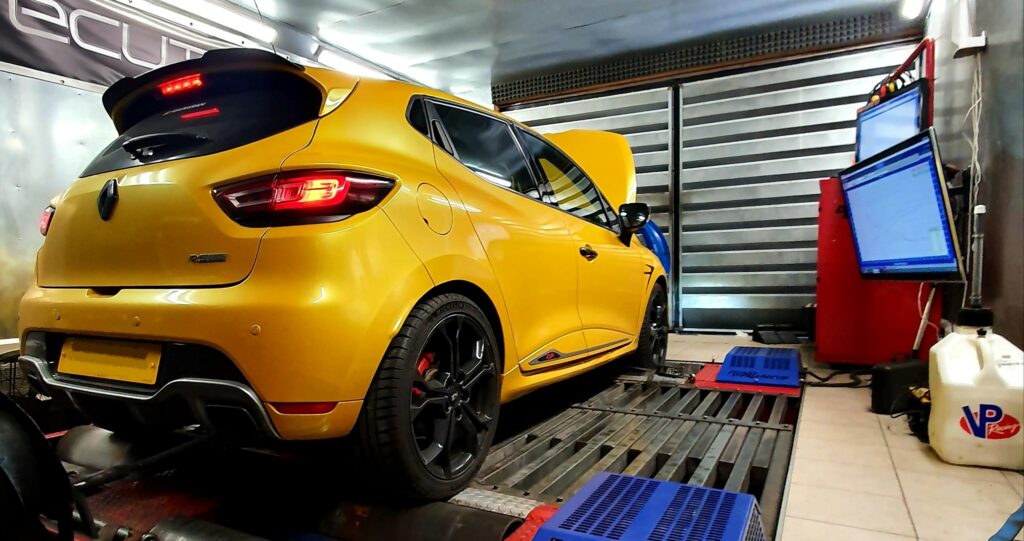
(486,147)
(227,110)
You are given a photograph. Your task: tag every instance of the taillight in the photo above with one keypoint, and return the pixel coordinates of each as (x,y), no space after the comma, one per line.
(181,84)
(310,192)
(45,218)
(301,197)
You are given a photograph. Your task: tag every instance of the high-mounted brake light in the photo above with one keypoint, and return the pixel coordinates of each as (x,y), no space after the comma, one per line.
(301,197)
(212,111)
(45,218)
(188,82)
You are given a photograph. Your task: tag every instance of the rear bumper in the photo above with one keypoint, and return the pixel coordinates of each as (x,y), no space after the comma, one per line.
(310,323)
(218,404)
(221,405)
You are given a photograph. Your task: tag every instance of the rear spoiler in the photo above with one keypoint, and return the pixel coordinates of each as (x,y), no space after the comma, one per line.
(606,158)
(216,60)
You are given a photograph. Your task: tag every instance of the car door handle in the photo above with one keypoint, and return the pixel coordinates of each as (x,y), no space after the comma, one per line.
(587,252)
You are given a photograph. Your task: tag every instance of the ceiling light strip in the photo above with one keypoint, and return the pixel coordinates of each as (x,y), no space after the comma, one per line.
(349,65)
(227,17)
(159,11)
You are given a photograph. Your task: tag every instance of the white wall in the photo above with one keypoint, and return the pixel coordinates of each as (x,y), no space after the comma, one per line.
(49,132)
(1001,139)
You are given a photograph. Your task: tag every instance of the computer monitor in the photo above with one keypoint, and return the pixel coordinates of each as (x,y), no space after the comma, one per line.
(900,214)
(896,119)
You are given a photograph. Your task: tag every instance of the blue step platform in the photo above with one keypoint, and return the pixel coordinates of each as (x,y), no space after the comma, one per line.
(775,367)
(613,507)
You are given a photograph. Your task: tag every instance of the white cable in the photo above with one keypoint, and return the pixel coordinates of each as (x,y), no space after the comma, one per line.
(256,4)
(920,312)
(973,115)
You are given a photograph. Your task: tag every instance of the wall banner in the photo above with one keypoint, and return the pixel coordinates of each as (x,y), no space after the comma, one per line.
(89,41)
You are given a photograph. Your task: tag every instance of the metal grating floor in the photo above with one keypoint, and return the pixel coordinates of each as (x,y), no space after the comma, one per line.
(730,440)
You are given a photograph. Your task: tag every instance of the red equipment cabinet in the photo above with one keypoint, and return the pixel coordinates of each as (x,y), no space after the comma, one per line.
(860,321)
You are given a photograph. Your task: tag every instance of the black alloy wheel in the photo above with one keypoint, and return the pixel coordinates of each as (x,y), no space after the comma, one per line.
(450,405)
(430,414)
(652,345)
(658,329)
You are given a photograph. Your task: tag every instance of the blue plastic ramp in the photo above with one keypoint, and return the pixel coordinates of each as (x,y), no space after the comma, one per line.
(775,367)
(619,507)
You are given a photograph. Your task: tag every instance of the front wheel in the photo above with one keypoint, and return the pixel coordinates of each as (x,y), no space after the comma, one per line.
(431,411)
(652,345)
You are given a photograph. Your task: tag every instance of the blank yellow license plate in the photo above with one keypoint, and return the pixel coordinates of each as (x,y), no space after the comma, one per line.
(134,362)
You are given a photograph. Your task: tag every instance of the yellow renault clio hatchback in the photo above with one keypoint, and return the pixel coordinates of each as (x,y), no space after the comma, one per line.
(304,254)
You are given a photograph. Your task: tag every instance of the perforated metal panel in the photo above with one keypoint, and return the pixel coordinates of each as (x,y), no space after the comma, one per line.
(776,42)
(753,146)
(643,117)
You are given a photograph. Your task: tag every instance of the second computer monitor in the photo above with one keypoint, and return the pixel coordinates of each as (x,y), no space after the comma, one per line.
(896,119)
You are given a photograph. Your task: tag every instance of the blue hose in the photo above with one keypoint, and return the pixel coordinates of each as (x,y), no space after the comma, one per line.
(654,239)
(1012,527)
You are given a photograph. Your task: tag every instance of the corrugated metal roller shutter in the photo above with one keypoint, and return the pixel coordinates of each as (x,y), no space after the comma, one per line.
(753,148)
(643,117)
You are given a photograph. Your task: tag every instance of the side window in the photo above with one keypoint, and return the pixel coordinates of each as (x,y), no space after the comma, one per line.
(572,190)
(486,146)
(418,117)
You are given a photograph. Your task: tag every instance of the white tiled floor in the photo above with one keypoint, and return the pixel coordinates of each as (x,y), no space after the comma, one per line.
(713,347)
(858,476)
(704,347)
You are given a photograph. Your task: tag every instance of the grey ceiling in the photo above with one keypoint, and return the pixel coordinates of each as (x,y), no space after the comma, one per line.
(464,45)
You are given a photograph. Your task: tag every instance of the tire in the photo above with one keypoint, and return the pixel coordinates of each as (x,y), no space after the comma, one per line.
(423,396)
(652,345)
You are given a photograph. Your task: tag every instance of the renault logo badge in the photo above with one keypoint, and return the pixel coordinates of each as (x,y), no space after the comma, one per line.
(107,199)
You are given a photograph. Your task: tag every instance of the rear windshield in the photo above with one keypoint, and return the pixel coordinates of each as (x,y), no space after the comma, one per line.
(200,114)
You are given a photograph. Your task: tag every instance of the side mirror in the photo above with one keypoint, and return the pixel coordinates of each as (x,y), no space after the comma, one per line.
(633,217)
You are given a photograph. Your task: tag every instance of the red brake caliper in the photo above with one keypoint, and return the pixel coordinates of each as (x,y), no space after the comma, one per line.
(422,366)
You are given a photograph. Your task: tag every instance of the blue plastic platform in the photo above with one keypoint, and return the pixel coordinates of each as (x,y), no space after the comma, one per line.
(775,367)
(619,507)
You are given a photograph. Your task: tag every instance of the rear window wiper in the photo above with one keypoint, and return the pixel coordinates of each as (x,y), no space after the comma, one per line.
(146,146)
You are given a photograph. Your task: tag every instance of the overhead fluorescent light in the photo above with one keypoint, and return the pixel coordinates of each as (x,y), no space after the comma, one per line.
(336,61)
(911,9)
(228,18)
(168,20)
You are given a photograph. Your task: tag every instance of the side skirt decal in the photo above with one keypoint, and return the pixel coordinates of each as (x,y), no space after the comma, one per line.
(555,355)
